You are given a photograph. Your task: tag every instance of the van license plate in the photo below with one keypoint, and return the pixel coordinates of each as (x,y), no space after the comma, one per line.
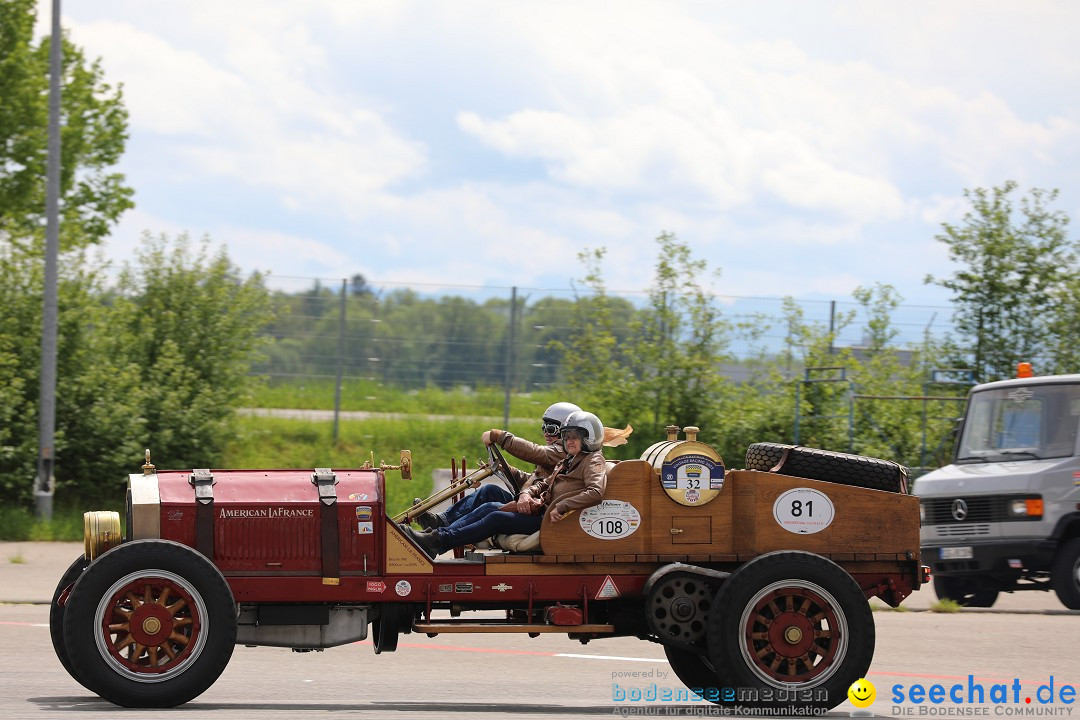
(957,553)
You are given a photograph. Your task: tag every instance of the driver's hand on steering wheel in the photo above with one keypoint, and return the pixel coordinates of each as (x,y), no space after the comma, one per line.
(556,516)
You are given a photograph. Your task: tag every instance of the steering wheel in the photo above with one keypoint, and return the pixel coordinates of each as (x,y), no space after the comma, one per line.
(501,469)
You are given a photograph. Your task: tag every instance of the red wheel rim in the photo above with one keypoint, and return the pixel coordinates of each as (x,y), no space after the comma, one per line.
(793,634)
(151,625)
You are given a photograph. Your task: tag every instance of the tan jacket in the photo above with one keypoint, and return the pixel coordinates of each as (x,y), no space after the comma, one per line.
(576,483)
(544,457)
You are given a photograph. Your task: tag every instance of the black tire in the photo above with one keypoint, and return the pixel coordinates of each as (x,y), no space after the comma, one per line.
(1065,574)
(151,623)
(814,464)
(695,671)
(56,615)
(966,591)
(791,621)
(386,627)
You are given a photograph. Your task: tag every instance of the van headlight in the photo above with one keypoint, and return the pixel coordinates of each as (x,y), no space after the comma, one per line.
(1025,508)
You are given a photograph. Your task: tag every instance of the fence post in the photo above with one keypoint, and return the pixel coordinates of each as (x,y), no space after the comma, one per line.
(340,359)
(511,338)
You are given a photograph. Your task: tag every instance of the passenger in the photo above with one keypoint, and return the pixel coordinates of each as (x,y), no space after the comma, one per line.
(577,482)
(544,457)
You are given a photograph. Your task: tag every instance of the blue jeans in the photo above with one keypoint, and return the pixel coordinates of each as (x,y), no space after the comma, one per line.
(487,493)
(483,522)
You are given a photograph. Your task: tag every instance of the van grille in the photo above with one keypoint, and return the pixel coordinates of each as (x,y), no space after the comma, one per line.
(956,530)
(980,509)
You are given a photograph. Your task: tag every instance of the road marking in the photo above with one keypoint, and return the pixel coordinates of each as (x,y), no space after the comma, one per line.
(609,657)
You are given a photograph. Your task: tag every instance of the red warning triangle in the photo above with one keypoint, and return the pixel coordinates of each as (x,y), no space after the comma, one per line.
(608,589)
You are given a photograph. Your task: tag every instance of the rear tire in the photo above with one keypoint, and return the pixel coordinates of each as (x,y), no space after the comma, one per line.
(814,464)
(151,623)
(695,671)
(965,591)
(1065,574)
(794,623)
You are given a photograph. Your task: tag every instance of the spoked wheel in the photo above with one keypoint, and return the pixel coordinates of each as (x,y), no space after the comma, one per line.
(791,621)
(151,623)
(56,615)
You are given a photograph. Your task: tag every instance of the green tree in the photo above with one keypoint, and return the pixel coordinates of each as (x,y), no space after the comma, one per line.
(1016,267)
(93,134)
(184,325)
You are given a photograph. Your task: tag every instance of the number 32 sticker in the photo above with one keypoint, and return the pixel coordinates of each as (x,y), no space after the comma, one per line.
(610,520)
(803,511)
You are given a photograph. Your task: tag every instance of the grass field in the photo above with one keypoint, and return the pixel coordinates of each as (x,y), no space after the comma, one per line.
(263,442)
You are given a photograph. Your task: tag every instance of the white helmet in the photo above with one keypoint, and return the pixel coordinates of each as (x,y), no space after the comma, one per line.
(555,416)
(589,425)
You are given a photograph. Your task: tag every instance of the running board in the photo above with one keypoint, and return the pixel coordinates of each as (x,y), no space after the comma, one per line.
(434,628)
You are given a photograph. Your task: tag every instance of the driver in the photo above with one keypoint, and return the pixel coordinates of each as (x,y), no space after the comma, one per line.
(545,457)
(578,481)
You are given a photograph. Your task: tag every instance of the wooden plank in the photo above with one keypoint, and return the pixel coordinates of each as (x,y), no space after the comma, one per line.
(697,558)
(671,558)
(864,557)
(624,558)
(841,557)
(436,628)
(583,558)
(603,558)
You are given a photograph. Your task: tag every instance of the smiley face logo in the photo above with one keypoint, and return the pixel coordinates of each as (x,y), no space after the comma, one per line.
(862,693)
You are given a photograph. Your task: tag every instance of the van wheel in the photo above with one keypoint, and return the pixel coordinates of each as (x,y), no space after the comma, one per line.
(795,622)
(151,623)
(965,591)
(814,464)
(1065,574)
(56,615)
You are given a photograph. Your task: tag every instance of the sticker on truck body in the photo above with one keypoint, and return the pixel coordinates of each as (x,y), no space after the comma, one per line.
(610,520)
(803,511)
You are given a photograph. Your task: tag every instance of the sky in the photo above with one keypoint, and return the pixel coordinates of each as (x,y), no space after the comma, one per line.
(802,149)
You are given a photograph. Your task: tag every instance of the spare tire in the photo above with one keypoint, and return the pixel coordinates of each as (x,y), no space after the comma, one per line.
(814,464)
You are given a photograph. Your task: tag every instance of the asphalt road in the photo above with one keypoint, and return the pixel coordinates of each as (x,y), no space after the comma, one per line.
(501,676)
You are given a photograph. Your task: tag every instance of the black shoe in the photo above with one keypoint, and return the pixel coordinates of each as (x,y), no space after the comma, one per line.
(431,520)
(427,541)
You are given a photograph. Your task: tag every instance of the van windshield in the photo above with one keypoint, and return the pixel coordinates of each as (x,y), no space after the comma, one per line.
(1029,422)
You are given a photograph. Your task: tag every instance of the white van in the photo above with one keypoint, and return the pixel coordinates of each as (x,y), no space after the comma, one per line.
(1005,515)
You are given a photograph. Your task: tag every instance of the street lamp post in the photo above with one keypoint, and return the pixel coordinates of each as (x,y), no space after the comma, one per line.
(45,480)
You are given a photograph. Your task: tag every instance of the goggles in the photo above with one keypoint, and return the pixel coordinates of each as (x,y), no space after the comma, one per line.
(550,427)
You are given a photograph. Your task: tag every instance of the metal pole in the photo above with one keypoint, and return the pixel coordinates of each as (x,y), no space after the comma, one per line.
(45,481)
(340,360)
(511,338)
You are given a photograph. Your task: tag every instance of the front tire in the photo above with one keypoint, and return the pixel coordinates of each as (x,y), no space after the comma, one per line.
(1065,574)
(794,623)
(56,615)
(151,623)
(965,591)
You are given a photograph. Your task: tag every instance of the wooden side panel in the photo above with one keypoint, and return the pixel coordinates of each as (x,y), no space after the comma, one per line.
(739,522)
(866,523)
(629,481)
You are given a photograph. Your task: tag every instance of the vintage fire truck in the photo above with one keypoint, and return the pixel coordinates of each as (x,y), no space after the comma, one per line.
(756,581)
